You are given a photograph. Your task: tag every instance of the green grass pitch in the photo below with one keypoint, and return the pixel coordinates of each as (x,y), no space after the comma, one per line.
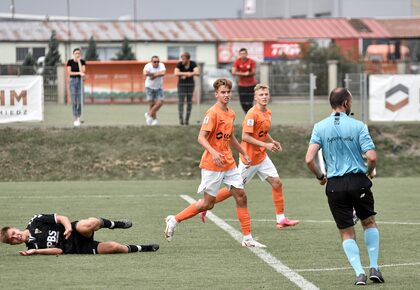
(202,256)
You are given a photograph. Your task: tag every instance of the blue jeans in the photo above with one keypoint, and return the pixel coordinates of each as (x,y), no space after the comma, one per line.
(154,94)
(76,96)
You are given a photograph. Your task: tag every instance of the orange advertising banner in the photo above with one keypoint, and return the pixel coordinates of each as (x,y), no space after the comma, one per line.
(121,81)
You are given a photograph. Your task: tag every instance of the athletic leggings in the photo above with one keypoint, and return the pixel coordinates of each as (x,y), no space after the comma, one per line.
(246,97)
(185,94)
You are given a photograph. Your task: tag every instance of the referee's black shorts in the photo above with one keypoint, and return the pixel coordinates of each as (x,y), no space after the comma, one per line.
(79,244)
(347,192)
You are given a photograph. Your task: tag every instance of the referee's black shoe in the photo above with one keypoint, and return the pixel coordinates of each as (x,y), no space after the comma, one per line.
(376,276)
(122,224)
(361,280)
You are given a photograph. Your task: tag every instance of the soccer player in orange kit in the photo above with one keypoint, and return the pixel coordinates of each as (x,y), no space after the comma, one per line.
(255,135)
(218,165)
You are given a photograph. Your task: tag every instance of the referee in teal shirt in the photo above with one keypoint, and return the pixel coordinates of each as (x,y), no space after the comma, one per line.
(344,142)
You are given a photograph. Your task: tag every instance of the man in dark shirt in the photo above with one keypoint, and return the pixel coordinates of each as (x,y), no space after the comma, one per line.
(185,70)
(76,70)
(53,234)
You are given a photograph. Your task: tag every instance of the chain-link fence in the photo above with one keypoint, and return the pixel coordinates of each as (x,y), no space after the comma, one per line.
(49,75)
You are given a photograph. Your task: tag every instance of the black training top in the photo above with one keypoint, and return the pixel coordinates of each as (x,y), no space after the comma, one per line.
(182,68)
(75,66)
(45,232)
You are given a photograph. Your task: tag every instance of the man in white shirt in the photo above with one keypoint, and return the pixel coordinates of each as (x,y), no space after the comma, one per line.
(154,72)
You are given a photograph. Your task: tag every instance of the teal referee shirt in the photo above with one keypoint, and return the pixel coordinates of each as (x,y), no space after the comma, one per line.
(343,141)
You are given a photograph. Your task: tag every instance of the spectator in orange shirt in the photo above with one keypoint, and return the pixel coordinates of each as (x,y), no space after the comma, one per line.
(255,128)
(244,68)
(218,165)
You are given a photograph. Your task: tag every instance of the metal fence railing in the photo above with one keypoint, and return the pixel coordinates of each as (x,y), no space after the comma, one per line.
(49,76)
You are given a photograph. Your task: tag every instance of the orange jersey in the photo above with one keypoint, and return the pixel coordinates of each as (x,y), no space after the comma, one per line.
(219,124)
(257,124)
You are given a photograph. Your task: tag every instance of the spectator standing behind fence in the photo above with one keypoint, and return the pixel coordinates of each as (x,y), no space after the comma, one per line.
(154,72)
(76,70)
(244,68)
(185,70)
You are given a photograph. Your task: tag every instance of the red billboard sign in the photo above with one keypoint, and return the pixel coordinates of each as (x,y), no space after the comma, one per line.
(282,50)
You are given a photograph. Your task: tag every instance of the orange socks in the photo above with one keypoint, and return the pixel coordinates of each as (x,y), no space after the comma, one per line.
(244,219)
(278,200)
(187,213)
(222,194)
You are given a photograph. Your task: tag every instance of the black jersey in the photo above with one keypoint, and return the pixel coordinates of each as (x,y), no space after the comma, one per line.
(45,232)
(190,68)
(75,66)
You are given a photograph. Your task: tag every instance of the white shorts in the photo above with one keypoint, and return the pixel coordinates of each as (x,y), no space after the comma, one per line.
(265,169)
(212,180)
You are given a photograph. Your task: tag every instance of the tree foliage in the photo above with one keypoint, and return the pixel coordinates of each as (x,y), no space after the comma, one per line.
(53,56)
(126,52)
(28,65)
(91,53)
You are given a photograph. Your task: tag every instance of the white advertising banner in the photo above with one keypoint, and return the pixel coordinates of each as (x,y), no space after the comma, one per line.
(394,98)
(21,99)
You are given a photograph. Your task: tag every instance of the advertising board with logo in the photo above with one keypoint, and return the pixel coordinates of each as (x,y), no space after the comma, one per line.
(228,52)
(282,50)
(21,99)
(394,98)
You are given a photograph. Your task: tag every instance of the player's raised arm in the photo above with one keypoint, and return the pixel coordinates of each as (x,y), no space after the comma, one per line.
(61,219)
(49,251)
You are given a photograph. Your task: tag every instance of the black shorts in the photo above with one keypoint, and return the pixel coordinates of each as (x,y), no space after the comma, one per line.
(79,244)
(347,192)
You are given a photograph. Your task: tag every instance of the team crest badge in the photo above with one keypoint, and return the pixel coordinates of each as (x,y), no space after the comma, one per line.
(206,120)
(250,122)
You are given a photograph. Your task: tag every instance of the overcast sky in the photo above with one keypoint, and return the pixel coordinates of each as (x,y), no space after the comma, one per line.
(114,9)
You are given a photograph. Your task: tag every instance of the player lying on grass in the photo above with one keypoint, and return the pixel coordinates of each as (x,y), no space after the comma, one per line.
(256,141)
(53,234)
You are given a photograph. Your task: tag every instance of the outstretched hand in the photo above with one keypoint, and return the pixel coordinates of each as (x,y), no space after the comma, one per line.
(27,252)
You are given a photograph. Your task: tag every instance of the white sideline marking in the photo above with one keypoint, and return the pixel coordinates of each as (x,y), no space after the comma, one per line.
(347,268)
(85,196)
(330,221)
(272,261)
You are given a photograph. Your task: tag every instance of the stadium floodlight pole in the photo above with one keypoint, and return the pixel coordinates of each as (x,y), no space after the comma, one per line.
(82,100)
(12,8)
(68,30)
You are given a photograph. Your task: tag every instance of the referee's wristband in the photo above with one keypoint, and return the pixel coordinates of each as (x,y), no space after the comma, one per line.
(321,177)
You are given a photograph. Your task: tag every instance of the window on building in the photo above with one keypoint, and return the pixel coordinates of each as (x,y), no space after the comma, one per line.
(322,15)
(36,52)
(174,52)
(104,53)
(21,53)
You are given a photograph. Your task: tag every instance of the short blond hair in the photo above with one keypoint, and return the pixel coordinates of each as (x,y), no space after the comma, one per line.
(261,87)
